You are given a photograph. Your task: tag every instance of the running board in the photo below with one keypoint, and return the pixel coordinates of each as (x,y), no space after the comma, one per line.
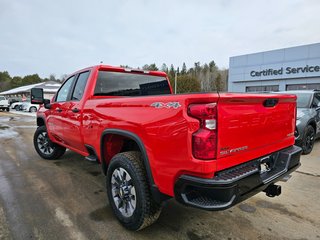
(92,154)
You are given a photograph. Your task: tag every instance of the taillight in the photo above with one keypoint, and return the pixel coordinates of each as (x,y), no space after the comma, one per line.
(204,141)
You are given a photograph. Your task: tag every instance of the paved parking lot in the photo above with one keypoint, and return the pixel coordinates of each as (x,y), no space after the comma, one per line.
(66,199)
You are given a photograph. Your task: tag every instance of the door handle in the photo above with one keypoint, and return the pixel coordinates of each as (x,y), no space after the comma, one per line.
(58,109)
(75,110)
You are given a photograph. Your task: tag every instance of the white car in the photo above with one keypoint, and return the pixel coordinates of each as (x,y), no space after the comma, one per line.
(4,103)
(28,107)
(15,105)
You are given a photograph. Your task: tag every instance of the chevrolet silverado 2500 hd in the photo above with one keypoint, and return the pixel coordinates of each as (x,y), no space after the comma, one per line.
(207,150)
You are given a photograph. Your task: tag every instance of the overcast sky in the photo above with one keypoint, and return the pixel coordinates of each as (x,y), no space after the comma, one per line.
(44,36)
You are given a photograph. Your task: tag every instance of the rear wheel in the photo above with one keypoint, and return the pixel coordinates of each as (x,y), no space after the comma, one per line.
(128,191)
(44,147)
(32,109)
(308,139)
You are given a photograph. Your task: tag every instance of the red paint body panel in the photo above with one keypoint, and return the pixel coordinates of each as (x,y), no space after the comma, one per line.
(166,133)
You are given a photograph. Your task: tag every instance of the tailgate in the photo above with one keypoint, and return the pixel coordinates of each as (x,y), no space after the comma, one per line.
(253,125)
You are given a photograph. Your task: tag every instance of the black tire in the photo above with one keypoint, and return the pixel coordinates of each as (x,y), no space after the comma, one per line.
(146,210)
(16,107)
(32,109)
(40,138)
(308,139)
(8,109)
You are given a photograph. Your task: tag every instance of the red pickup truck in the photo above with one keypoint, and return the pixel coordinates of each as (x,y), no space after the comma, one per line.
(207,150)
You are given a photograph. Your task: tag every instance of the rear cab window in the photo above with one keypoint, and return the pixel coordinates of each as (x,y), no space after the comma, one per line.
(80,86)
(130,84)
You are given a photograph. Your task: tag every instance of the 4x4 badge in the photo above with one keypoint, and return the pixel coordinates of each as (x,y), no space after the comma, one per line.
(174,105)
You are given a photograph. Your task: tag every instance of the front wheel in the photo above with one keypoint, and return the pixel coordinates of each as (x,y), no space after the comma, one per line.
(129,193)
(44,147)
(308,139)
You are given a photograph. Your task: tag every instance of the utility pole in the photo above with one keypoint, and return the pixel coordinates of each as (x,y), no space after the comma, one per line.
(175,83)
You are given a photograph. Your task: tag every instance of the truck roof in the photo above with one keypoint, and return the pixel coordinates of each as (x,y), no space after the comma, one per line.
(121,69)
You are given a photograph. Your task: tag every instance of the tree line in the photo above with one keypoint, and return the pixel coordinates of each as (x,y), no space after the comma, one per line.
(205,77)
(7,82)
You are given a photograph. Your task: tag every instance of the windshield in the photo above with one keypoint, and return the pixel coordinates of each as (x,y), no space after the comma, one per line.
(303,99)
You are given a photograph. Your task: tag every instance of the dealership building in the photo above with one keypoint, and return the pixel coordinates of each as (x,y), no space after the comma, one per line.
(277,70)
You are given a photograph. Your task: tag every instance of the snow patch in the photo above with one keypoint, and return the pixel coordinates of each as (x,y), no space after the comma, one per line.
(6,132)
(4,119)
(25,113)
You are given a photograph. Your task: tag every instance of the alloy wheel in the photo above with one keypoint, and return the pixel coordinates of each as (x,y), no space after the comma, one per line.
(44,144)
(123,192)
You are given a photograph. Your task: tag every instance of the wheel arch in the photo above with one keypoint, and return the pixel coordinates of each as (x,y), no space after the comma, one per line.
(157,195)
(127,136)
(41,121)
(312,123)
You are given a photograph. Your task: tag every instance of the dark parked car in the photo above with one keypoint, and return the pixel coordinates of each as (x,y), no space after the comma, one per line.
(308,118)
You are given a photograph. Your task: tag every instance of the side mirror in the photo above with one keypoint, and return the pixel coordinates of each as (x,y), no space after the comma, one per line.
(37,96)
(46,103)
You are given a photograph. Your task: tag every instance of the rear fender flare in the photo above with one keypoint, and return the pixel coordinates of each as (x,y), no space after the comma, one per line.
(133,137)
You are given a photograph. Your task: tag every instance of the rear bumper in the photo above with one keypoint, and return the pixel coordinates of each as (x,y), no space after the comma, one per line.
(238,183)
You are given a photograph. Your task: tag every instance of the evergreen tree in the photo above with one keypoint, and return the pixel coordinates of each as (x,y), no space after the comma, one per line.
(31,79)
(4,81)
(151,67)
(218,83)
(184,69)
(164,68)
(16,82)
(172,71)
(187,84)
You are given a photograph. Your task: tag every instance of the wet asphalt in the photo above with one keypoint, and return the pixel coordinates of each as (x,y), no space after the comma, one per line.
(66,199)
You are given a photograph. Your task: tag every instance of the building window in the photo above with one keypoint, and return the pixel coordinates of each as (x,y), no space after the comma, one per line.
(270,88)
(309,86)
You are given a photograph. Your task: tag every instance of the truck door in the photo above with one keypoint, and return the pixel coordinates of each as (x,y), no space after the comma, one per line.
(56,119)
(73,117)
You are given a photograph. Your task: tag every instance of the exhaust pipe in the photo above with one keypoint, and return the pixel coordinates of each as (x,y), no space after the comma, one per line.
(273,190)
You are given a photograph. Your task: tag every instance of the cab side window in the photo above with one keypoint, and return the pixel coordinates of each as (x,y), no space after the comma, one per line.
(80,86)
(63,93)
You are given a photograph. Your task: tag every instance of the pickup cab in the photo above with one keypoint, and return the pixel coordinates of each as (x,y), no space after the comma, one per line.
(4,104)
(206,150)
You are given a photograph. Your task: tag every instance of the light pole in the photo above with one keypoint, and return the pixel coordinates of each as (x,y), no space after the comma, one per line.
(175,83)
